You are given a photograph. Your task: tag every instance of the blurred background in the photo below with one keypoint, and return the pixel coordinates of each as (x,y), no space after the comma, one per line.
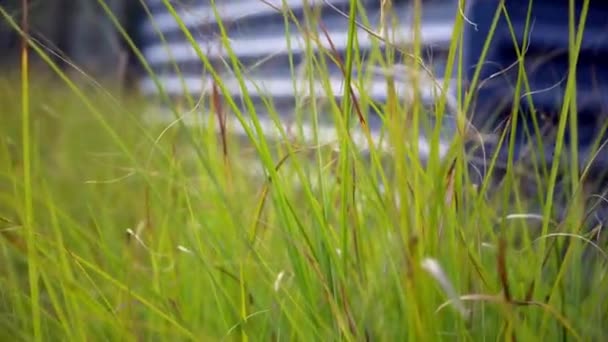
(79,30)
(82,32)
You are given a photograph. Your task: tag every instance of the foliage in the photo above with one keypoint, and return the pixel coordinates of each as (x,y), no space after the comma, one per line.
(117,229)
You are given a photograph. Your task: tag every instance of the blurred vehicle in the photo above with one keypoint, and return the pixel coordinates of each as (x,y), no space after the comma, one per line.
(545,40)
(259,39)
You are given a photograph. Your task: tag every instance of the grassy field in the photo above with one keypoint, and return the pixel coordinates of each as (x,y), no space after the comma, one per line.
(113,228)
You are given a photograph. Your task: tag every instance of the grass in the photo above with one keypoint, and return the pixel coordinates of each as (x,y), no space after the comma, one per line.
(117,229)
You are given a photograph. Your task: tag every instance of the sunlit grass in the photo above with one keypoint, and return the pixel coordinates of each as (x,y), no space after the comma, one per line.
(117,229)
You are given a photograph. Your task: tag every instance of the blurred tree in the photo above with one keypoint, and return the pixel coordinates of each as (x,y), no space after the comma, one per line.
(77,30)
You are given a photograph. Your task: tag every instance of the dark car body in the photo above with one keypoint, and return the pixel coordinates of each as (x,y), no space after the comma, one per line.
(546,64)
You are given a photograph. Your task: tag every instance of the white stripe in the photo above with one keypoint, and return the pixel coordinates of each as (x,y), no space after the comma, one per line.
(227,11)
(266,46)
(284,87)
(325,134)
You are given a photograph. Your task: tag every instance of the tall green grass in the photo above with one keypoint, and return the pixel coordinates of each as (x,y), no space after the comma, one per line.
(117,229)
